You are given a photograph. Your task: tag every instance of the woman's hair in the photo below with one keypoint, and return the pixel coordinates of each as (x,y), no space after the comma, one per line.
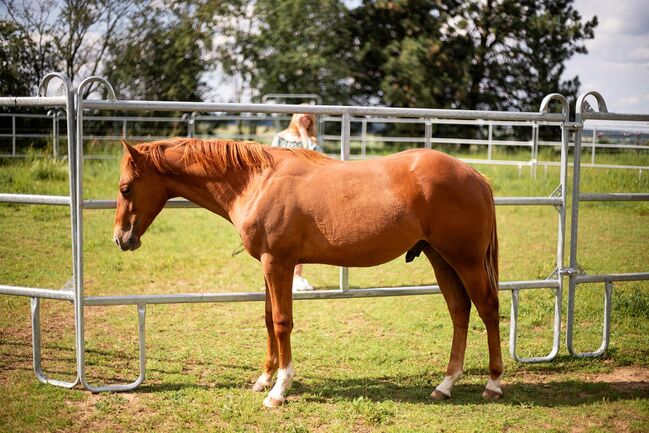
(311,130)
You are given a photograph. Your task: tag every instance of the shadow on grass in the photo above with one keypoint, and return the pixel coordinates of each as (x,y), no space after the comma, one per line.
(551,394)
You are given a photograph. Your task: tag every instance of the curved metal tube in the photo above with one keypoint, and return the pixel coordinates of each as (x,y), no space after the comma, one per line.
(545,104)
(96,79)
(583,106)
(36,350)
(141,310)
(44,83)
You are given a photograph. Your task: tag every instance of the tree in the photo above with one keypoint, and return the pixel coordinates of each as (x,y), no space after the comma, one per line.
(163,56)
(302,46)
(22,62)
(400,56)
(76,33)
(492,54)
(516,50)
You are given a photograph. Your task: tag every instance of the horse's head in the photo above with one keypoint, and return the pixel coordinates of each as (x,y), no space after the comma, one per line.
(142,195)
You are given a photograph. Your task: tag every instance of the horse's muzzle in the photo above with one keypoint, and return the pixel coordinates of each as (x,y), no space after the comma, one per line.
(131,243)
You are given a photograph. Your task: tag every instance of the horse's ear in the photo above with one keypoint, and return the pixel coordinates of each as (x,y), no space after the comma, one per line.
(135,154)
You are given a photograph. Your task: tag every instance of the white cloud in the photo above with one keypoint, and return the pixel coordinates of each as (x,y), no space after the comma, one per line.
(617,64)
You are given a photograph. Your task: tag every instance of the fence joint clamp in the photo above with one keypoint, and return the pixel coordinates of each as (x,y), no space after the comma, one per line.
(574,126)
(569,271)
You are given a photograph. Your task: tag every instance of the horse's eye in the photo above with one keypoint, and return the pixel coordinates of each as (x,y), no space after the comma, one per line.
(125,190)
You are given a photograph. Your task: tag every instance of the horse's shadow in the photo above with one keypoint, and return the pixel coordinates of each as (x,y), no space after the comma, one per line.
(411,390)
(550,394)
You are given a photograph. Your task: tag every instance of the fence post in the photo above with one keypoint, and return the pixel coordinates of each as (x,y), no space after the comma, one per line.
(345,130)
(592,152)
(55,133)
(428,133)
(535,149)
(363,138)
(490,138)
(13,135)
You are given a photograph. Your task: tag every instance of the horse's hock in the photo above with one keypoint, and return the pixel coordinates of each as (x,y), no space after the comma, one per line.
(74,105)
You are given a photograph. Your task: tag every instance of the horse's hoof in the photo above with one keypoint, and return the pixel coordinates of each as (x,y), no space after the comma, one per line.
(259,387)
(272,403)
(439,396)
(491,395)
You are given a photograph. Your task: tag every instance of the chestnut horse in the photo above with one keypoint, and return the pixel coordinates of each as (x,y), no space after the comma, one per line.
(295,206)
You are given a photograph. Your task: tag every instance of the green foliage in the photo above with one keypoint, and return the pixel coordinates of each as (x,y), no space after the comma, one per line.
(161,56)
(48,169)
(302,46)
(22,64)
(475,55)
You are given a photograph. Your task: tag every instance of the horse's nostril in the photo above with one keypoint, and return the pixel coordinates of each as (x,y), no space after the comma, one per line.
(116,239)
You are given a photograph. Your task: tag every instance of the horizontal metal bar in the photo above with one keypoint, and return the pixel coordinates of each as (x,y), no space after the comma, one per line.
(467,122)
(32,135)
(131,119)
(184,298)
(174,203)
(56,200)
(33,101)
(442,140)
(522,201)
(180,203)
(639,276)
(591,115)
(614,197)
(31,115)
(33,292)
(316,109)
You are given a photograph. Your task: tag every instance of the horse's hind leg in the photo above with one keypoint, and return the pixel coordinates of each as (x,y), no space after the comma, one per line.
(485,299)
(272,361)
(459,306)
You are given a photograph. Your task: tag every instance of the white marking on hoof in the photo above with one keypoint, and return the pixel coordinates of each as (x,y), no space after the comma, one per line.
(264,381)
(447,384)
(272,403)
(493,390)
(439,396)
(276,396)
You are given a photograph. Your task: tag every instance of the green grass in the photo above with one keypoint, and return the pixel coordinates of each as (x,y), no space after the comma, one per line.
(362,364)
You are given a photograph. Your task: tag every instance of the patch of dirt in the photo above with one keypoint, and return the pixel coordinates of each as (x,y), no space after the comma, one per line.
(623,379)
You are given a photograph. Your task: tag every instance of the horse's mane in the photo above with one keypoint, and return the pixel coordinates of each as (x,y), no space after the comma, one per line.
(215,156)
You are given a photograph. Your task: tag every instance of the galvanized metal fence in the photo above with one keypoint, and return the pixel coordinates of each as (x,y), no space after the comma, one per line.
(130,127)
(74,105)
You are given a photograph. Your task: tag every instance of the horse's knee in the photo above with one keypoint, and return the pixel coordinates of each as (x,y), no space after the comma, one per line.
(283,326)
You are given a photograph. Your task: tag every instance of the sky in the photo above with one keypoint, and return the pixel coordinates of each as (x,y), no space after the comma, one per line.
(617,63)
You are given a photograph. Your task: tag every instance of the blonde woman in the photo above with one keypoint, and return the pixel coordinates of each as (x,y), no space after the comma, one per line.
(301,133)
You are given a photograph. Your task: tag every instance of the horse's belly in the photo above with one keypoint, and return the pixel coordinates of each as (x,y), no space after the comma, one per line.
(356,241)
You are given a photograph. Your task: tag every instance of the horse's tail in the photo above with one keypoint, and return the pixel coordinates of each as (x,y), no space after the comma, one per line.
(491,256)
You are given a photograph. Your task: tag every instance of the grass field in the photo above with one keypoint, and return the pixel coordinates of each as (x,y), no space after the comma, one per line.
(361,365)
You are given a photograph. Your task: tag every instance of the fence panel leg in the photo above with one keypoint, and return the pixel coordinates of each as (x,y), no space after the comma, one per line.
(36,347)
(513,329)
(141,309)
(606,326)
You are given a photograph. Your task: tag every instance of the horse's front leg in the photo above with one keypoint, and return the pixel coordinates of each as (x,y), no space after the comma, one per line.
(279,277)
(272,359)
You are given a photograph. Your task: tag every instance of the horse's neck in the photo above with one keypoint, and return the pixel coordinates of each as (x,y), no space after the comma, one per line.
(217,194)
